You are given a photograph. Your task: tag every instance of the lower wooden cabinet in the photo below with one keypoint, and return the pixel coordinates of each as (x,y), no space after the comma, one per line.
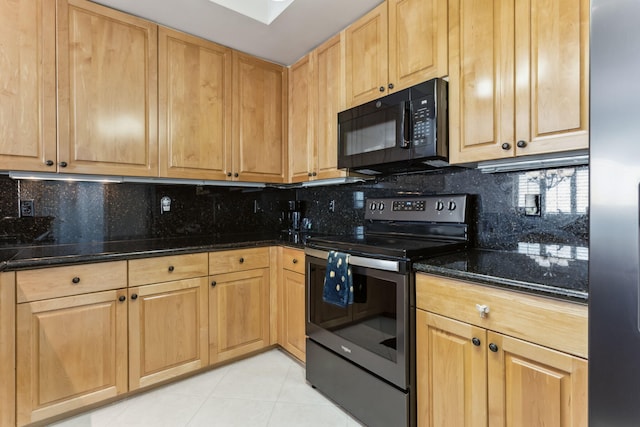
(238,313)
(470,375)
(71,352)
(168,330)
(293,313)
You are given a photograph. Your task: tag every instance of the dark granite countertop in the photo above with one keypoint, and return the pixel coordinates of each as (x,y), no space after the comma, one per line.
(552,270)
(53,255)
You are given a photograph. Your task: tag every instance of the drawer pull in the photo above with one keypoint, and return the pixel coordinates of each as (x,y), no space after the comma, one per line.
(483,310)
(475,341)
(493,347)
(295,261)
(171,268)
(241,260)
(213,284)
(75,280)
(122,298)
(134,296)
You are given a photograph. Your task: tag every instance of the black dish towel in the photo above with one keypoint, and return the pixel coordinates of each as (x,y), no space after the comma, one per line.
(338,283)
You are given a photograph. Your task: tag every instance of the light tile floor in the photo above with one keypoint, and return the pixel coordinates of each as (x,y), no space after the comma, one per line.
(265,390)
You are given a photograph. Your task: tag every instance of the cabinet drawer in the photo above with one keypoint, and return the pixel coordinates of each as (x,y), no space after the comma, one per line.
(167,268)
(238,260)
(293,259)
(552,323)
(54,282)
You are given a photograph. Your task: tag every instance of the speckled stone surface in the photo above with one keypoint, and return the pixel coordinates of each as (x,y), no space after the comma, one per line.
(553,270)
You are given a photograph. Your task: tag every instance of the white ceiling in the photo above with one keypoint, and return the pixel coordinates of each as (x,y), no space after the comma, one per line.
(301,27)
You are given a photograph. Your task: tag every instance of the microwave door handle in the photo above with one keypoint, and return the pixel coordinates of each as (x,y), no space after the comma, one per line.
(407,124)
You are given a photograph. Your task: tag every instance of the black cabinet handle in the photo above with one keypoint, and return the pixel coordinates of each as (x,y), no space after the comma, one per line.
(390,85)
(236,174)
(229,174)
(134,296)
(213,284)
(241,260)
(493,347)
(314,174)
(521,144)
(506,146)
(295,261)
(171,268)
(122,298)
(475,341)
(75,280)
(310,174)
(381,88)
(49,163)
(63,164)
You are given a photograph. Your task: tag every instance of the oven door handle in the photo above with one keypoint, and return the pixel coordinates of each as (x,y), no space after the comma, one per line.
(358,261)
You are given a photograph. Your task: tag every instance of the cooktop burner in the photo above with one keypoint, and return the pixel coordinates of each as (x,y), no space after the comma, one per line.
(407,228)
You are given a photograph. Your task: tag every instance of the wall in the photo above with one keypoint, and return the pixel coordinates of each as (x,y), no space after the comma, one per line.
(85,212)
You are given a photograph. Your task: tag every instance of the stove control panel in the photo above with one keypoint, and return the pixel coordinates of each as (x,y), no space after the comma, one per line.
(447,208)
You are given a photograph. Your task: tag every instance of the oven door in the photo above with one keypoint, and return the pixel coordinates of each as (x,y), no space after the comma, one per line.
(373,331)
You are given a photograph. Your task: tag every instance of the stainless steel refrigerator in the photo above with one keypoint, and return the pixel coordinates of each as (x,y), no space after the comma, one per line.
(614,276)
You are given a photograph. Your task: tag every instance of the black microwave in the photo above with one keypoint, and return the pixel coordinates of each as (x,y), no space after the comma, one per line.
(402,132)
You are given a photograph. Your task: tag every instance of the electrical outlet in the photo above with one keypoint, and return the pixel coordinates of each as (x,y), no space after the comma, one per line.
(26,208)
(332,206)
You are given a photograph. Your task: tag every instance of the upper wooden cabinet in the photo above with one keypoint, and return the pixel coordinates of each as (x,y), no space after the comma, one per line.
(107,91)
(518,78)
(194,107)
(27,79)
(316,95)
(259,120)
(398,44)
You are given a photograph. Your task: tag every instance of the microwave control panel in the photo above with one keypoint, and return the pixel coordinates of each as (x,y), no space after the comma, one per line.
(446,208)
(423,120)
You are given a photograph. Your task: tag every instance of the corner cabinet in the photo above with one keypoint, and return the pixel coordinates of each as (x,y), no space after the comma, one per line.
(398,44)
(292,303)
(259,120)
(239,297)
(194,107)
(28,81)
(523,363)
(71,350)
(518,78)
(107,91)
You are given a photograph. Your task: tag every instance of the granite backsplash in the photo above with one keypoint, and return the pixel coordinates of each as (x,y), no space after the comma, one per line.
(81,212)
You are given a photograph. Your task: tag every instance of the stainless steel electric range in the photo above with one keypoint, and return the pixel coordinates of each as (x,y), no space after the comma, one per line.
(362,355)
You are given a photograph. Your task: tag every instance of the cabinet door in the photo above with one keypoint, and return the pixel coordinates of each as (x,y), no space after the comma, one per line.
(417,41)
(194,107)
(329,86)
(107,91)
(168,330)
(367,57)
(27,79)
(532,386)
(451,372)
(238,313)
(260,104)
(481,95)
(71,352)
(8,349)
(293,292)
(301,120)
(552,81)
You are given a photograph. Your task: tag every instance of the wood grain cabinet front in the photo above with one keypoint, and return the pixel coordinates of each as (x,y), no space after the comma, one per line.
(472,370)
(292,303)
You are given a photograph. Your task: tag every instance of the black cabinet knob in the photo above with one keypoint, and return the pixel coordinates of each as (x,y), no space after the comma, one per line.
(310,174)
(381,88)
(295,261)
(63,164)
(75,280)
(213,284)
(314,174)
(122,298)
(390,85)
(506,146)
(171,268)
(49,163)
(134,296)
(475,341)
(236,174)
(521,144)
(241,260)
(493,347)
(228,173)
